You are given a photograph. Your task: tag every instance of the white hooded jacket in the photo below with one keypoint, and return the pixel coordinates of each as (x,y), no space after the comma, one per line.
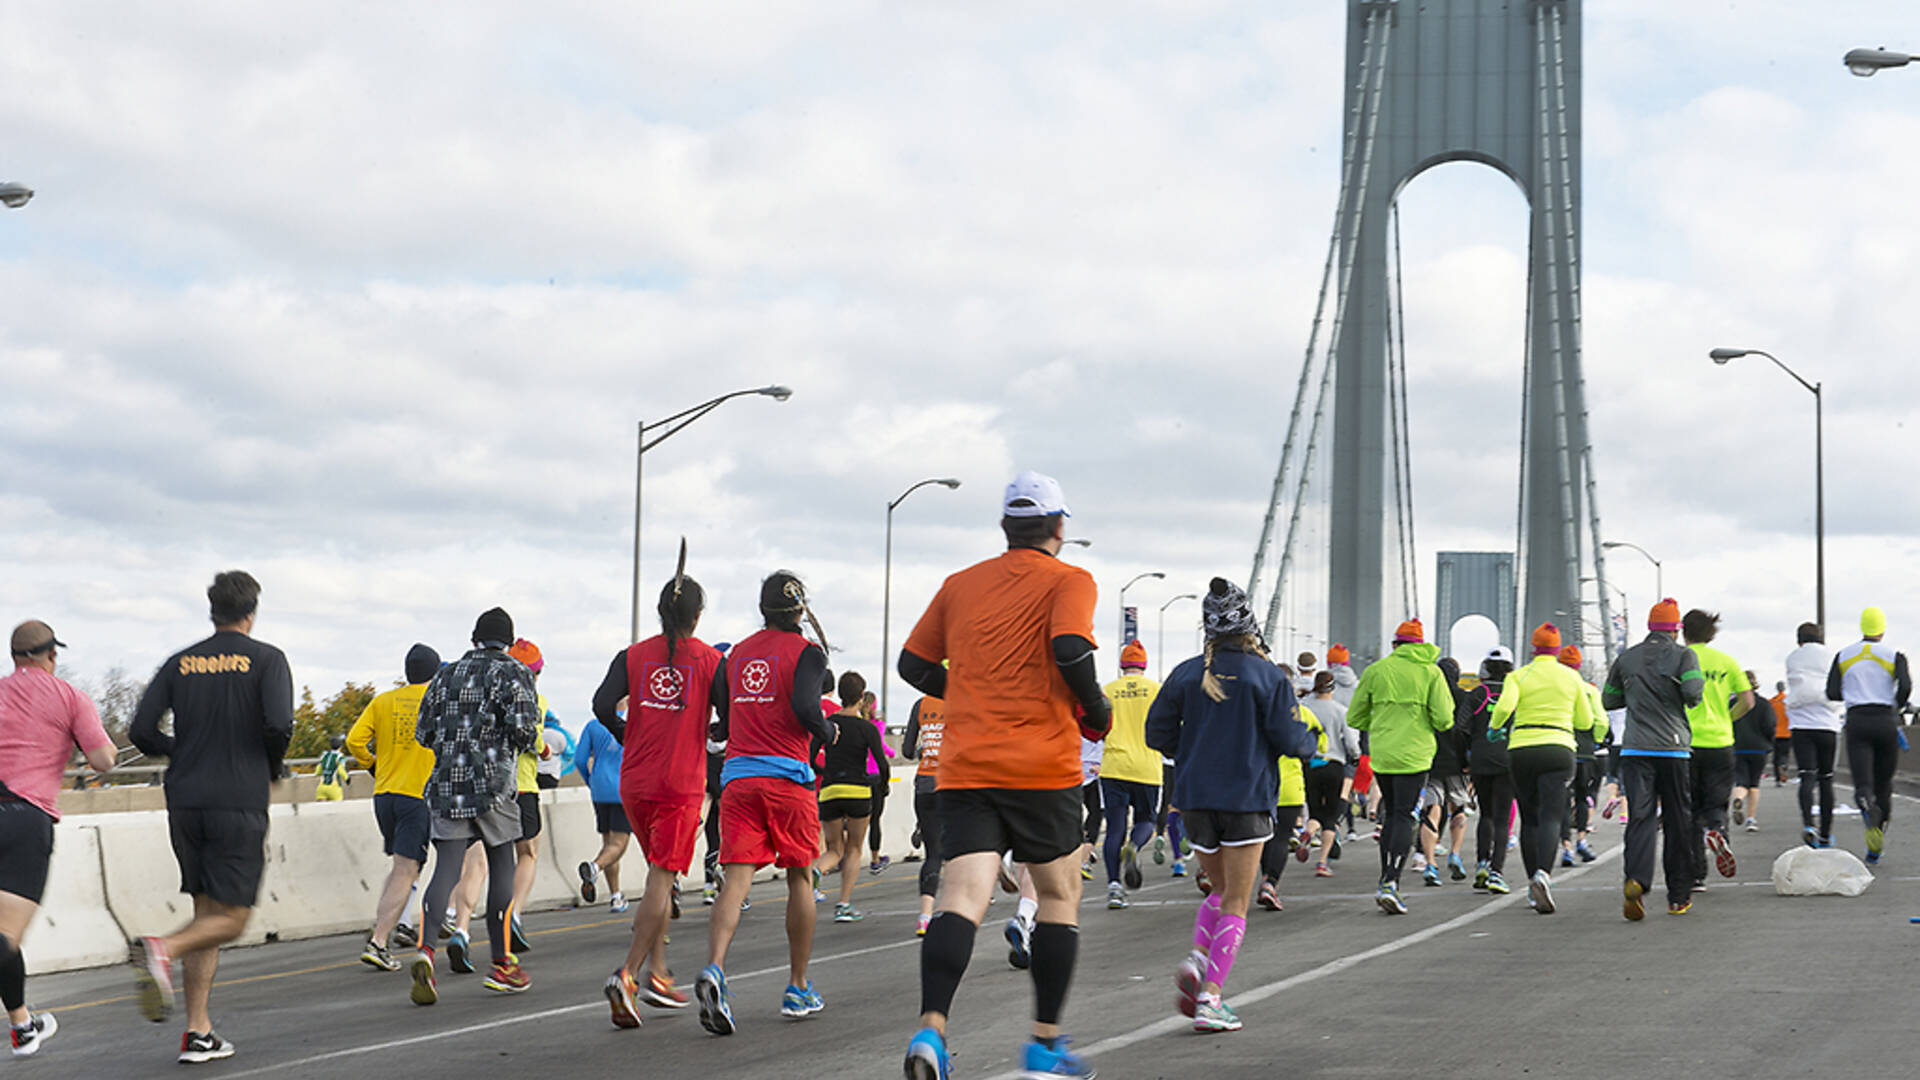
(1807,706)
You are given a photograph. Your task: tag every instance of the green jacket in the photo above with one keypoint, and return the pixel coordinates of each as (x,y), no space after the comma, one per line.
(1401,701)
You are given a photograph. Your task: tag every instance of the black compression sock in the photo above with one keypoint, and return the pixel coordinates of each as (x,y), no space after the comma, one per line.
(944,953)
(13,976)
(1055,948)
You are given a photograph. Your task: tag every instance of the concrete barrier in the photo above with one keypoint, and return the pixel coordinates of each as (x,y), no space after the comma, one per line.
(73,928)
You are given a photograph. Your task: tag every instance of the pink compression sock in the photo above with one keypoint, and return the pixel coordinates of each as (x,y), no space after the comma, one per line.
(1206,923)
(1226,946)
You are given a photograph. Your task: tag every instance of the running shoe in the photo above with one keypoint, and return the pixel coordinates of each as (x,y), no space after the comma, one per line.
(1389,900)
(673,900)
(1202,882)
(1159,849)
(1188,976)
(1497,884)
(1873,858)
(1739,810)
(709,893)
(1876,841)
(1585,851)
(404,937)
(1270,896)
(1566,857)
(1043,1062)
(507,977)
(716,1007)
(376,955)
(1613,804)
(153,976)
(620,990)
(1334,851)
(663,994)
(1019,943)
(1456,869)
(800,1002)
(1480,875)
(927,1057)
(818,897)
(1302,846)
(460,953)
(1130,865)
(1679,908)
(517,937)
(446,925)
(27,1037)
(426,989)
(1430,876)
(1185,848)
(1722,854)
(1116,896)
(1322,870)
(846,913)
(1179,868)
(617,903)
(1753,824)
(588,872)
(1540,892)
(920,925)
(1635,906)
(196,1049)
(1826,842)
(1009,878)
(1809,837)
(880,862)
(1210,1014)
(1086,868)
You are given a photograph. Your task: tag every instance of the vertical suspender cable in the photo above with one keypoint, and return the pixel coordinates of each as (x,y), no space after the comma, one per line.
(1398,358)
(1393,426)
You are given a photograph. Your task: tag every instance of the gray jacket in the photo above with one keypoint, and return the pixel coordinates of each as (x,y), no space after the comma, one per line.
(1656,681)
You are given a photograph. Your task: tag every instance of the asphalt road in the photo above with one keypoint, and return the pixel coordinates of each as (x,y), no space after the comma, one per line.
(1748,985)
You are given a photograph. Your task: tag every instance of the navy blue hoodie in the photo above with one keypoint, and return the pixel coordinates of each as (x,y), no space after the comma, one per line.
(1227,753)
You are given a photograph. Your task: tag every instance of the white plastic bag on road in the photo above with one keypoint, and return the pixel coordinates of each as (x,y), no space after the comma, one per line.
(1805,871)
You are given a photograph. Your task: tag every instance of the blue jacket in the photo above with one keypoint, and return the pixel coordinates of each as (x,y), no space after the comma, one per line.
(1226,753)
(597,759)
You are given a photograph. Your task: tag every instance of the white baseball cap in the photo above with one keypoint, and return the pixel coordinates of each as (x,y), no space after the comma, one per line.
(1500,652)
(1034,494)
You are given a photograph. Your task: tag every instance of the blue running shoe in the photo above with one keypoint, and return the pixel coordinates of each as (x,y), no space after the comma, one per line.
(799,1002)
(1045,1062)
(716,1010)
(1179,868)
(927,1057)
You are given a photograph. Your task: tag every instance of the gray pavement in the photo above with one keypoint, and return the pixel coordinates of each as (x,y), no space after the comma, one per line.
(1749,984)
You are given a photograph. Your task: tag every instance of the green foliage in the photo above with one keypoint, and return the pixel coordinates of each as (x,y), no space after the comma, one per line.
(315,725)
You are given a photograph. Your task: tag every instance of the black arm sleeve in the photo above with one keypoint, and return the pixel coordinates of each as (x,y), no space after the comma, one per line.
(808,672)
(720,694)
(145,731)
(1903,680)
(1835,690)
(606,700)
(910,739)
(923,675)
(1073,655)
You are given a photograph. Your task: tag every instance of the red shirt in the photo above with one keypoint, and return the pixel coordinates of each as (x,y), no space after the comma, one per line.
(664,758)
(760,720)
(42,719)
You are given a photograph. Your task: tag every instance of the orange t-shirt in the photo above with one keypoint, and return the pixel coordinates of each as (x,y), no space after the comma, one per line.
(1009,713)
(1780,729)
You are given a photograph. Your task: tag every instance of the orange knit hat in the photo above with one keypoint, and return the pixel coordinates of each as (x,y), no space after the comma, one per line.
(1410,631)
(1338,654)
(1570,656)
(527,653)
(1665,616)
(1546,640)
(1134,655)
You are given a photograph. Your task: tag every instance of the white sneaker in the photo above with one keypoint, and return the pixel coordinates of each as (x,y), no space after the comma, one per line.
(617,903)
(39,1028)
(1540,892)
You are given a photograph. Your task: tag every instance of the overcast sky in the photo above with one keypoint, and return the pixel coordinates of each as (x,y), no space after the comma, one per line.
(367,299)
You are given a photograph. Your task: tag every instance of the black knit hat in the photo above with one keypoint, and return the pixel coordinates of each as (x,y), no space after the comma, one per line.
(1226,611)
(422,662)
(494,625)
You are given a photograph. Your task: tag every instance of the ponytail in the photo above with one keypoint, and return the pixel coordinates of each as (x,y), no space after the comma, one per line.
(1213,684)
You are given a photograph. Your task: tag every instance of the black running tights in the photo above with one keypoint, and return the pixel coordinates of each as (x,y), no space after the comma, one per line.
(1813,759)
(1873,753)
(1399,803)
(449,857)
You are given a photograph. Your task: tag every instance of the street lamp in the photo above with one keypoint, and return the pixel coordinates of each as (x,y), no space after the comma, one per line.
(1163,627)
(1722,356)
(1659,585)
(14,195)
(1137,579)
(1078,541)
(1865,62)
(677,421)
(886,603)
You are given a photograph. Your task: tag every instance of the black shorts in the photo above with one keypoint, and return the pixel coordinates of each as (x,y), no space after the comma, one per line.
(610,817)
(835,809)
(1037,826)
(222,853)
(1211,830)
(26,848)
(544,782)
(529,814)
(405,825)
(1749,769)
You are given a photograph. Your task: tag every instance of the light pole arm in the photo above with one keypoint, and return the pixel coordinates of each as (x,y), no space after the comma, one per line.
(909,491)
(1811,388)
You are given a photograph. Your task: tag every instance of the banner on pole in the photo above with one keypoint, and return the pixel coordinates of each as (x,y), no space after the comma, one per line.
(1129,624)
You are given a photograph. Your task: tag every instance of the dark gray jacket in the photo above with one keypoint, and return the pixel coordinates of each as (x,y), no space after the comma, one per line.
(1656,681)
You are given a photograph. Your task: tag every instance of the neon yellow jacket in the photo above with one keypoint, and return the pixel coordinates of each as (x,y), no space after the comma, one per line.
(382,739)
(1293,778)
(1127,755)
(1712,719)
(1547,702)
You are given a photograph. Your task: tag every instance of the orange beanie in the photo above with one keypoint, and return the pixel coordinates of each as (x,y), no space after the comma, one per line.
(1546,640)
(1570,656)
(1338,654)
(1665,616)
(1410,631)
(1134,655)
(527,653)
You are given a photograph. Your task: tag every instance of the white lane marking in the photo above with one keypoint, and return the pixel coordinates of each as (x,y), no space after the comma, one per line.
(454,1033)
(1332,967)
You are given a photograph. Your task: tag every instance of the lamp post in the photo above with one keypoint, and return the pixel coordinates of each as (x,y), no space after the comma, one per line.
(1723,356)
(886,592)
(1163,628)
(1659,584)
(1866,62)
(673,424)
(1078,541)
(1137,579)
(14,195)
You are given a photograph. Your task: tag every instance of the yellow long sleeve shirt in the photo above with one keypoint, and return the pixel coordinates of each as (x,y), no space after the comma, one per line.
(1127,756)
(382,739)
(1546,701)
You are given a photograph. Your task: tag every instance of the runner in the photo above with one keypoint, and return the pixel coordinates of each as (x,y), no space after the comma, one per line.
(382,740)
(597,758)
(1402,701)
(1726,697)
(1091,751)
(331,774)
(877,778)
(232,703)
(1872,679)
(846,790)
(1226,716)
(1542,705)
(1752,742)
(672,683)
(42,719)
(1328,782)
(1488,768)
(1586,769)
(526,850)
(1657,681)
(1018,630)
(926,728)
(1815,723)
(1782,734)
(768,808)
(1447,796)
(716,759)
(478,716)
(1130,774)
(1291,805)
(1340,666)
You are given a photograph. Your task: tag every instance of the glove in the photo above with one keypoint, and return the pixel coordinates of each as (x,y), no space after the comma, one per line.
(1095,722)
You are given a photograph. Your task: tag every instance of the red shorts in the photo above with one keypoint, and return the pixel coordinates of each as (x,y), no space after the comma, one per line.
(666,831)
(764,819)
(1363,775)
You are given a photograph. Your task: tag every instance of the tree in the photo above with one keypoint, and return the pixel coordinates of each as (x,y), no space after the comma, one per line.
(315,725)
(116,695)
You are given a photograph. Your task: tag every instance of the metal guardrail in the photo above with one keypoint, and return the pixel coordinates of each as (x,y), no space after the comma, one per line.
(139,766)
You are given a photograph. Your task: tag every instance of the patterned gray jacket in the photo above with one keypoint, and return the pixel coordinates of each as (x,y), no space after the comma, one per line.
(478,715)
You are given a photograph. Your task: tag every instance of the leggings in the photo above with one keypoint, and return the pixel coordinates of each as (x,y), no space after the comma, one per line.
(449,855)
(1495,794)
(1813,757)
(1274,857)
(1710,779)
(1540,776)
(711,864)
(1586,784)
(1399,802)
(1124,798)
(1323,794)
(1873,753)
(926,817)
(879,803)
(1090,795)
